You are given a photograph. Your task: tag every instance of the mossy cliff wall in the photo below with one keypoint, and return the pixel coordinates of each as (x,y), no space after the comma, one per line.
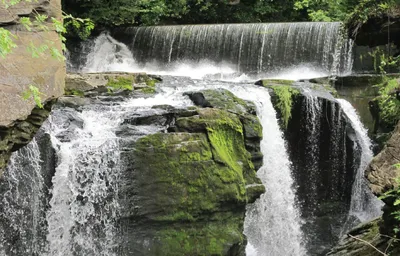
(184,192)
(19,70)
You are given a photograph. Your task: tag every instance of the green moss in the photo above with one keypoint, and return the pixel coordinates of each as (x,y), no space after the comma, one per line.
(151,86)
(120,83)
(284,103)
(272,82)
(210,238)
(74,92)
(188,181)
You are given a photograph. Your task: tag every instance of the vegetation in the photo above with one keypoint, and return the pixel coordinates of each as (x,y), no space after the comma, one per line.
(119,83)
(33,92)
(285,94)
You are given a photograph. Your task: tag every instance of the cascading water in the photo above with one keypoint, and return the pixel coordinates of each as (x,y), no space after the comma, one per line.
(85,205)
(81,219)
(273,224)
(22,203)
(364,205)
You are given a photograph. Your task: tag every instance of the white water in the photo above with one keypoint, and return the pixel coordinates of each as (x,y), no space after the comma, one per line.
(272,224)
(116,56)
(81,215)
(364,205)
(21,204)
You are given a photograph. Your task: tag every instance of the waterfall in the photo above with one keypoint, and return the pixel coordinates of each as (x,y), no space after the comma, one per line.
(273,224)
(301,185)
(225,51)
(364,205)
(248,48)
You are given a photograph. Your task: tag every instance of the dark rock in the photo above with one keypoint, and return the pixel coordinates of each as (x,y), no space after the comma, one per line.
(222,99)
(21,133)
(199,99)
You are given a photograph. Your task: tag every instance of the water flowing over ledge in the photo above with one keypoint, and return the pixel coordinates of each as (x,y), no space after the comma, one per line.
(226,51)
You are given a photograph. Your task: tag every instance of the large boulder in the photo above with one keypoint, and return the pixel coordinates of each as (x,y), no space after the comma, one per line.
(184,192)
(18,70)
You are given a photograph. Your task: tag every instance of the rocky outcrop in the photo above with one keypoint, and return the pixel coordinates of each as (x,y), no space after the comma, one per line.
(19,70)
(382,173)
(21,133)
(185,191)
(365,240)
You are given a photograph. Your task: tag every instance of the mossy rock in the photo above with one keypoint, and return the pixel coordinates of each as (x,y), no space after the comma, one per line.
(222,99)
(284,96)
(223,237)
(195,189)
(272,82)
(109,83)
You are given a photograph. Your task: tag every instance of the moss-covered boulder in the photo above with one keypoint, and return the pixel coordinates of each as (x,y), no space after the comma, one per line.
(185,191)
(109,83)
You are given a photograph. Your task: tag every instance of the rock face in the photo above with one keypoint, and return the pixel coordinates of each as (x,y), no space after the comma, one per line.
(186,190)
(19,70)
(382,173)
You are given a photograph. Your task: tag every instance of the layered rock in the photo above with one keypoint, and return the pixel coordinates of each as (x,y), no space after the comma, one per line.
(186,190)
(19,70)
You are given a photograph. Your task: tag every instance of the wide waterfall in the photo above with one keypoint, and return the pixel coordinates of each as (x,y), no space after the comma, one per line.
(231,50)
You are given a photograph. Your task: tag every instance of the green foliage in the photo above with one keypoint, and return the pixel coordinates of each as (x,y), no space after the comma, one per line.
(389,105)
(352,12)
(323,10)
(76,26)
(366,9)
(33,92)
(156,12)
(285,94)
(6,42)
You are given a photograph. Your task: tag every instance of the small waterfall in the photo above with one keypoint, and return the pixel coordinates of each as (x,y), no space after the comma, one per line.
(273,224)
(364,205)
(84,203)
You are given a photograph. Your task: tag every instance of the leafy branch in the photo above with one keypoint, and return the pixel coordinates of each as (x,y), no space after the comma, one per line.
(34,93)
